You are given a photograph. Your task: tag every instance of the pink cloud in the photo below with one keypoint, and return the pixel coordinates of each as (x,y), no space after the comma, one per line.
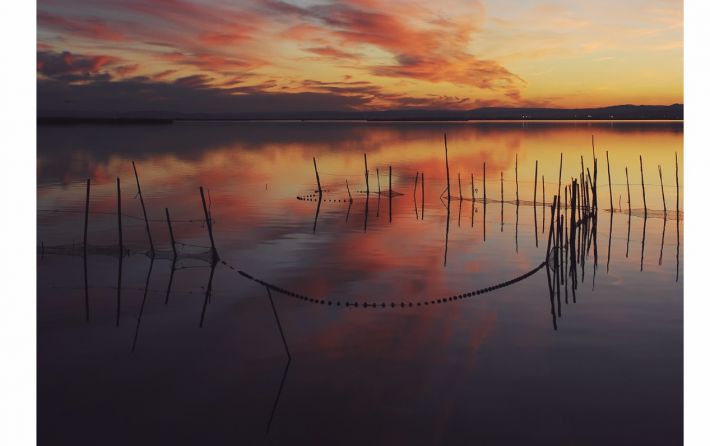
(86,27)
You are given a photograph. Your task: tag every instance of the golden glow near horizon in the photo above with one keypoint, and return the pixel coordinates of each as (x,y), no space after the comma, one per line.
(368,54)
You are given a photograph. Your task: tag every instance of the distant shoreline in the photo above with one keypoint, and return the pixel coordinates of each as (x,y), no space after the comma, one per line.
(168,121)
(615,113)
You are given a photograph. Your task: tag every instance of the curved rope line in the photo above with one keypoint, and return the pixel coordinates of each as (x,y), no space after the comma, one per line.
(391,304)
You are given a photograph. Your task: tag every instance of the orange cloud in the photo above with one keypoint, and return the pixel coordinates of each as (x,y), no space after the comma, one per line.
(423,47)
(329,51)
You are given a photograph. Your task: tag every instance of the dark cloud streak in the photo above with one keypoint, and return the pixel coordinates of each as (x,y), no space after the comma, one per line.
(187,95)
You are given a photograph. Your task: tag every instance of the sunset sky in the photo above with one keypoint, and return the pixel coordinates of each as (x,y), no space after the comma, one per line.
(306,55)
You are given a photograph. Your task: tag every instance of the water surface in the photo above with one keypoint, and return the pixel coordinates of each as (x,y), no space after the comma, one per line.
(188,352)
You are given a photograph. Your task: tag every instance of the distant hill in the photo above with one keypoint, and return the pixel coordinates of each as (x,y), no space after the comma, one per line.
(617,112)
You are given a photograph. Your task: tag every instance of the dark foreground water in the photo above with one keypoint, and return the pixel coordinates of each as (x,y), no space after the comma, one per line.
(188,351)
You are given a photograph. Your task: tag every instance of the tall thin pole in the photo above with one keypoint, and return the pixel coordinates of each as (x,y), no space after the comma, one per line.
(170,229)
(677,189)
(390,193)
(501,201)
(367,176)
(501,187)
(628,189)
(377,169)
(348,187)
(643,187)
(583,185)
(663,194)
(448,182)
(473,193)
(460,192)
(559,188)
(320,191)
(208,219)
(86,213)
(595,186)
(608,171)
(120,225)
(86,269)
(552,218)
(535,193)
(145,214)
(422,195)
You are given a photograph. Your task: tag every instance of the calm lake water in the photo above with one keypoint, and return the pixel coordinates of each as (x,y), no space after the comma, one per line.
(134,351)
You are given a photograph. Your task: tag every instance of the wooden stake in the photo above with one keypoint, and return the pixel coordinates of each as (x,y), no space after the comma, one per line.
(460,192)
(170,229)
(535,193)
(120,225)
(583,185)
(86,214)
(367,177)
(593,185)
(608,171)
(473,193)
(348,186)
(416,180)
(580,200)
(552,219)
(377,169)
(448,182)
(628,189)
(422,195)
(145,214)
(559,185)
(643,188)
(320,191)
(86,267)
(677,190)
(663,194)
(590,199)
(390,193)
(501,187)
(208,219)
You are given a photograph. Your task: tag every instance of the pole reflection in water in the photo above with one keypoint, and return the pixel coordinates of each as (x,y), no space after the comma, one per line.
(208,293)
(170,280)
(315,219)
(663,239)
(118,288)
(145,296)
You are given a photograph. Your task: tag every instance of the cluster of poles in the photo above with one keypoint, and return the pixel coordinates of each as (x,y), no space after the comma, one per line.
(583,190)
(587,182)
(389,192)
(152,251)
(119,215)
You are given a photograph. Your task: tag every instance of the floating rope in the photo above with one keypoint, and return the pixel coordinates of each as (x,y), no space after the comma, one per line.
(391,304)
